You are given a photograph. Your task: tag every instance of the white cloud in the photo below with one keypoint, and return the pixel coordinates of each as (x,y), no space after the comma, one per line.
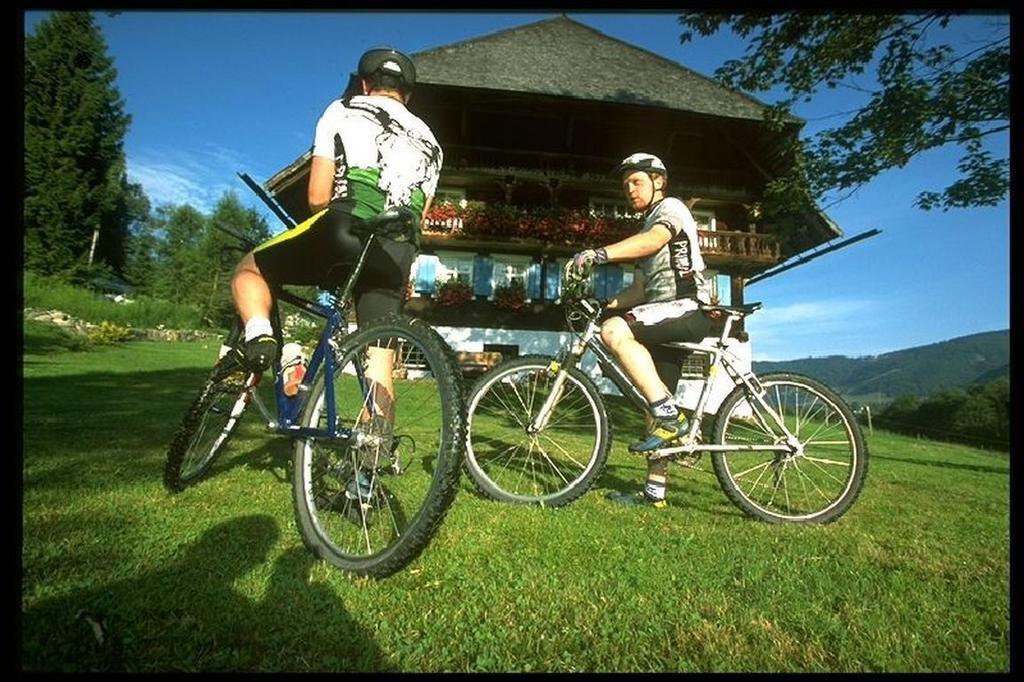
(199,177)
(814,328)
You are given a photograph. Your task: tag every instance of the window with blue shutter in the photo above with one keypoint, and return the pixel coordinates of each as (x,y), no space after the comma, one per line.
(482,274)
(426,267)
(613,281)
(600,281)
(552,280)
(533,281)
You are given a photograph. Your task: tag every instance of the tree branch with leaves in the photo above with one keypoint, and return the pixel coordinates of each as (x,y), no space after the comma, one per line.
(927,96)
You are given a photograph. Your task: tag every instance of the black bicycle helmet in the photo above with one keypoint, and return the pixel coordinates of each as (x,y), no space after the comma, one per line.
(390,61)
(641,161)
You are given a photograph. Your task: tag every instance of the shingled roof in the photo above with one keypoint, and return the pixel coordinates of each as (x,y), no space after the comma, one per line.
(565,58)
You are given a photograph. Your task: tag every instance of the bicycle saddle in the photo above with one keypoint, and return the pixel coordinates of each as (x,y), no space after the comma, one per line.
(399,223)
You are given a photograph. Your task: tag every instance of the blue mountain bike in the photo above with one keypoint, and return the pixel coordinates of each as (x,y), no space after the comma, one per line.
(375,467)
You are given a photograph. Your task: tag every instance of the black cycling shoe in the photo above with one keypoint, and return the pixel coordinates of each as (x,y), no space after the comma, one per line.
(258,353)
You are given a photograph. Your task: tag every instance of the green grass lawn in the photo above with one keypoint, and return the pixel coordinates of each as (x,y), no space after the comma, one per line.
(119,575)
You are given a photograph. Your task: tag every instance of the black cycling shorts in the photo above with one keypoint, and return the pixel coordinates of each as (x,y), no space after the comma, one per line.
(322,252)
(654,324)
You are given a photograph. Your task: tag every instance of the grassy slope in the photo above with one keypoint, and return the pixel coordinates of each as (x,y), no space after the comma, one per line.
(914,578)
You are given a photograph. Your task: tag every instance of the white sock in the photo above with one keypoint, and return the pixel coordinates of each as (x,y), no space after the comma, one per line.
(256,326)
(654,487)
(665,409)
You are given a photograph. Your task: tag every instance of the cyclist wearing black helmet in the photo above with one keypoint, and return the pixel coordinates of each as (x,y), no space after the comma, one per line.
(369,154)
(659,306)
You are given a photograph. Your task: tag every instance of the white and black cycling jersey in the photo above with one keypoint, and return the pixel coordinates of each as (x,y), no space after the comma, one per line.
(676,270)
(384,155)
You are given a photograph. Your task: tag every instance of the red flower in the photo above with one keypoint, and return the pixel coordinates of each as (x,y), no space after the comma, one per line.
(510,296)
(573,227)
(453,292)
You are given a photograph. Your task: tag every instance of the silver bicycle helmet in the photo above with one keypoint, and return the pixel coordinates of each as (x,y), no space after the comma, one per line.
(641,161)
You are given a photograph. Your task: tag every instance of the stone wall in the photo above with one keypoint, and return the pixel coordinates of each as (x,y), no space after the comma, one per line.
(77,326)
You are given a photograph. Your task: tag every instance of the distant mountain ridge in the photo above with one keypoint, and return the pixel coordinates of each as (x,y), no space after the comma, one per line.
(921,370)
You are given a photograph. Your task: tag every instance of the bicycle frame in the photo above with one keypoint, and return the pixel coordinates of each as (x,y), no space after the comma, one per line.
(590,339)
(290,408)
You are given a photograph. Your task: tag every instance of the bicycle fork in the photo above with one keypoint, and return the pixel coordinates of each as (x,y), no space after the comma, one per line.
(540,422)
(559,366)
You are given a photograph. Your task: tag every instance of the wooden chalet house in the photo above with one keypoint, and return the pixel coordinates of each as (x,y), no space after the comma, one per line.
(532,120)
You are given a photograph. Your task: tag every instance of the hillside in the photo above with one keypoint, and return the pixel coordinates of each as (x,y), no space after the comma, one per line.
(920,371)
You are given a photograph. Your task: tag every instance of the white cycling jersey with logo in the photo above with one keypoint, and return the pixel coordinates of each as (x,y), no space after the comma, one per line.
(676,270)
(384,154)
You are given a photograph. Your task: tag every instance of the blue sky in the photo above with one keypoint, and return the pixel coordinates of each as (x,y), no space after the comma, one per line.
(213,93)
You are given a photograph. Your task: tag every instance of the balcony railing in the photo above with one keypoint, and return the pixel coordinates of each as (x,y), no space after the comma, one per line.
(571,230)
(743,245)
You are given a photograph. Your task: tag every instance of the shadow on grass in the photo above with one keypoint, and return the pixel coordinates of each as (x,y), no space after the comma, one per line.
(86,429)
(189,615)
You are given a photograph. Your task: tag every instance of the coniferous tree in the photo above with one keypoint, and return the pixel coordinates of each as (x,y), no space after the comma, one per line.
(74,174)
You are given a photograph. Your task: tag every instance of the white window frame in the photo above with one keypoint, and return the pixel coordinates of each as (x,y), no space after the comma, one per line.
(628,274)
(705,219)
(619,209)
(454,195)
(451,264)
(506,266)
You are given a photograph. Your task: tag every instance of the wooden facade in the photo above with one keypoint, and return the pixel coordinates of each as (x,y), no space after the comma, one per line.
(532,120)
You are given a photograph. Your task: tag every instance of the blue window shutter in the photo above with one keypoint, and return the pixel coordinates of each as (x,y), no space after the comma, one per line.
(482,272)
(533,281)
(552,278)
(425,274)
(600,281)
(613,284)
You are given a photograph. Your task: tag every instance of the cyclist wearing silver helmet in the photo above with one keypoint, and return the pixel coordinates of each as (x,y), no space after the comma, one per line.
(661,305)
(369,154)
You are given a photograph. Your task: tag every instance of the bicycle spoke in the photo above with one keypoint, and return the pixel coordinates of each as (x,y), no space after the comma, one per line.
(568,455)
(759,466)
(505,455)
(814,479)
(362,499)
(825,460)
(811,481)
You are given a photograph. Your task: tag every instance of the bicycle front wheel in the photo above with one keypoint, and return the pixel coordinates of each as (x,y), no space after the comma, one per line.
(370,503)
(208,424)
(820,471)
(516,454)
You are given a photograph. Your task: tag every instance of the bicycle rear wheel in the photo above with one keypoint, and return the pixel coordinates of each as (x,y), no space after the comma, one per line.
(817,478)
(206,427)
(511,461)
(371,503)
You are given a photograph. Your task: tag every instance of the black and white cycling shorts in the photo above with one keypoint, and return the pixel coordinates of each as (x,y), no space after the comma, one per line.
(653,324)
(322,252)
(667,321)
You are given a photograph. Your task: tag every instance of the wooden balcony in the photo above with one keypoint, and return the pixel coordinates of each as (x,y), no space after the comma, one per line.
(738,252)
